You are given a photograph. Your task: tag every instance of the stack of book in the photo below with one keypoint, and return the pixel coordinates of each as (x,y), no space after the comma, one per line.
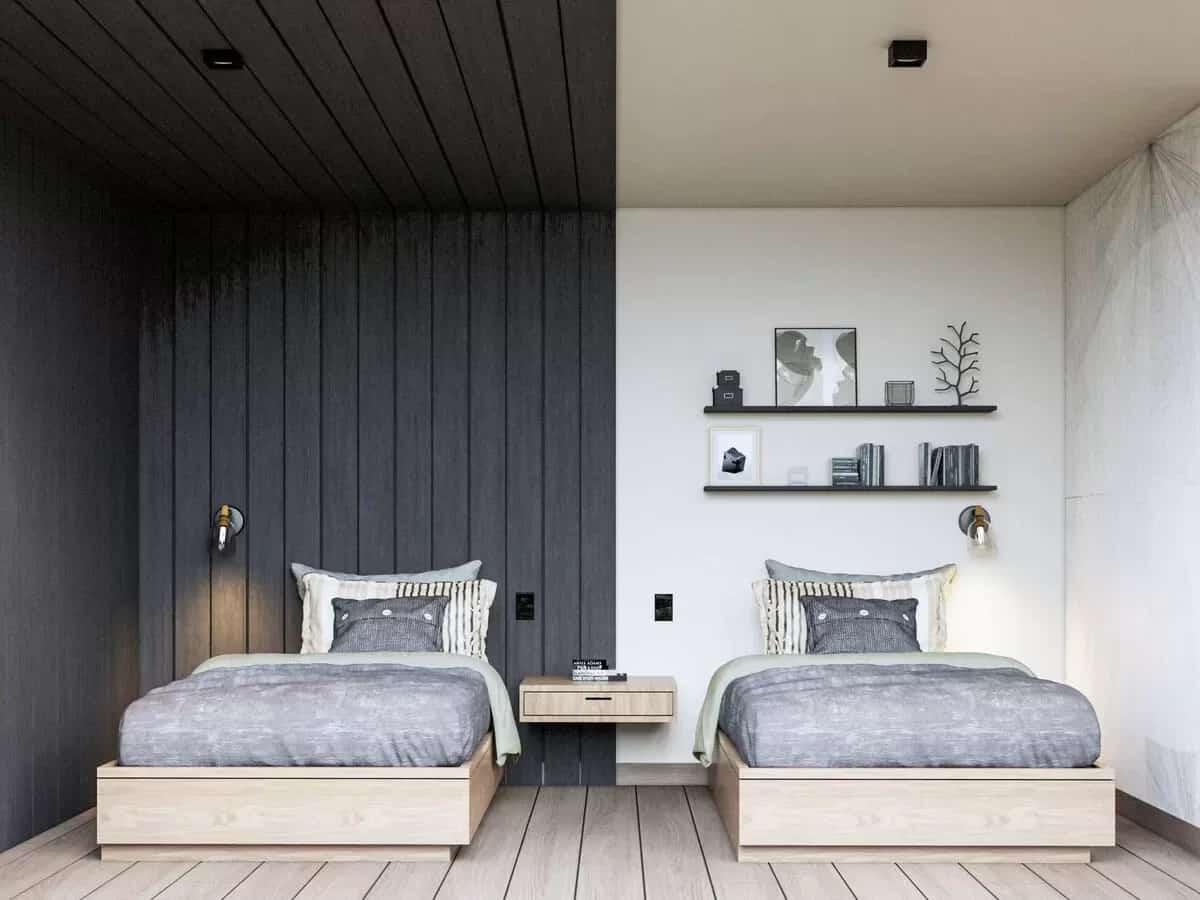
(870,464)
(595,670)
(845,472)
(956,465)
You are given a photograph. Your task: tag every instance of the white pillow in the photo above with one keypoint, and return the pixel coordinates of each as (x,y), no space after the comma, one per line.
(467,571)
(319,592)
(930,592)
(781,614)
(465,622)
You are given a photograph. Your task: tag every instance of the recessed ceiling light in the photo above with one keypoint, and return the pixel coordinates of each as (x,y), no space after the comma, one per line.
(223,58)
(907,54)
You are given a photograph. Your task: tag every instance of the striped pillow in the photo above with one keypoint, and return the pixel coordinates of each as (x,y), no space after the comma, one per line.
(782,614)
(465,623)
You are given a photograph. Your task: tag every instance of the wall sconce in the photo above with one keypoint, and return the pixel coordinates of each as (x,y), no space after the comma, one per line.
(227,524)
(975,522)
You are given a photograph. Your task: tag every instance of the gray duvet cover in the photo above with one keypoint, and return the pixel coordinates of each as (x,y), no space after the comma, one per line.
(369,714)
(812,716)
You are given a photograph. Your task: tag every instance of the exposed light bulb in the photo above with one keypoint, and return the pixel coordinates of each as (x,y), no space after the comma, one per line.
(980,535)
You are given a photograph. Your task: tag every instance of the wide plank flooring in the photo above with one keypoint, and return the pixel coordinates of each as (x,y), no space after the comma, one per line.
(575,843)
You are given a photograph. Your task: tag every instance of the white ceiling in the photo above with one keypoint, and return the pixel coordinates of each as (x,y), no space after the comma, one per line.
(791,103)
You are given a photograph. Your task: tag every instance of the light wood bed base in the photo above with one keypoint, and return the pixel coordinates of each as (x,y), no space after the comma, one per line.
(300,813)
(912,815)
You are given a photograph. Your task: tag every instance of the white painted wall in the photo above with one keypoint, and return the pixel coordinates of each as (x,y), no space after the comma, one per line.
(701,290)
(1133,428)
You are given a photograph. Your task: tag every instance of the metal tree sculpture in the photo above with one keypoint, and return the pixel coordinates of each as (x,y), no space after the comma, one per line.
(965,362)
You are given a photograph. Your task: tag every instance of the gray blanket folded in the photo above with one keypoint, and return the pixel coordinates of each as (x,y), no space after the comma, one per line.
(310,715)
(914,715)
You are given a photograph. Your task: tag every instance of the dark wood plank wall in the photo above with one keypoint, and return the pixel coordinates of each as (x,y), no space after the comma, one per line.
(385,392)
(70,274)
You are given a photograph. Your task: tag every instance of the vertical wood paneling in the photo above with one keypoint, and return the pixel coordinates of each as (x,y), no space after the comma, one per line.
(488,360)
(156,464)
(451,387)
(339,393)
(524,464)
(126,261)
(193,457)
(14,815)
(90,298)
(376,387)
(266,589)
(68,449)
(597,496)
(68,316)
(302,408)
(228,418)
(418,390)
(414,417)
(37,211)
(560,479)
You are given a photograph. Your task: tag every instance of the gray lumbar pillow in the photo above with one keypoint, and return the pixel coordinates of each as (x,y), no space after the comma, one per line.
(468,571)
(854,625)
(411,624)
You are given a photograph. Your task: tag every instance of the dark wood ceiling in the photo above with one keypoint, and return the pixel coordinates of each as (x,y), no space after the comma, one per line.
(411,104)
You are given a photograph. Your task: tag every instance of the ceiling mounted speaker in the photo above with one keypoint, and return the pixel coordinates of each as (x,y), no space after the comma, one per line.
(907,54)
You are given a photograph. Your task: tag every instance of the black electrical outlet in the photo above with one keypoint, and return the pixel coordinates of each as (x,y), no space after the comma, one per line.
(664,607)
(526,609)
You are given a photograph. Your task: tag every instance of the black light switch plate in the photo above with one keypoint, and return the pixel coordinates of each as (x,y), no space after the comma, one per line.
(664,607)
(526,609)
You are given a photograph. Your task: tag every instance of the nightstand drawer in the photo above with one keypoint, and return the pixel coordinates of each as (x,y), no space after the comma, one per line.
(599,704)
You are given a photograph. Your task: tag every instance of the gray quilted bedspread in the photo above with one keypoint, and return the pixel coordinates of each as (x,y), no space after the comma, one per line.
(907,715)
(311,715)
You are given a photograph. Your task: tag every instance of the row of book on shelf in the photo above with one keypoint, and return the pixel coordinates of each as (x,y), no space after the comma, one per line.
(956,465)
(865,469)
(595,669)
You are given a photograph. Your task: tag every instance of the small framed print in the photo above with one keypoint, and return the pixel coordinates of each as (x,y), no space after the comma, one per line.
(734,455)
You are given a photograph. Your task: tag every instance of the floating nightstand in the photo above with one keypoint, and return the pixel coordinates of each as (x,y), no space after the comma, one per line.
(556,698)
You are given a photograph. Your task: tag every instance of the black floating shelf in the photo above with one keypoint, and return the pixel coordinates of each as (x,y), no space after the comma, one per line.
(851,410)
(830,489)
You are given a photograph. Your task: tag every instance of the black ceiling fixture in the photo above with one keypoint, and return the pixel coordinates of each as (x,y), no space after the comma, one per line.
(223,58)
(907,54)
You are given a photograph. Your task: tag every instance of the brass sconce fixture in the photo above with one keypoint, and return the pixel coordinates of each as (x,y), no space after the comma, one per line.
(975,522)
(227,524)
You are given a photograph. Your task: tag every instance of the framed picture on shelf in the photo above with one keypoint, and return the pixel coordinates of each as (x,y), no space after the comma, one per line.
(734,456)
(816,367)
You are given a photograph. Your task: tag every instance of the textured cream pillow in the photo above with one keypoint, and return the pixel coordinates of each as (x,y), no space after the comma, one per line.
(930,592)
(316,631)
(465,623)
(781,613)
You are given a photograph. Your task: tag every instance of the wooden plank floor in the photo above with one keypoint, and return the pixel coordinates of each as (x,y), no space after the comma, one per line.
(611,842)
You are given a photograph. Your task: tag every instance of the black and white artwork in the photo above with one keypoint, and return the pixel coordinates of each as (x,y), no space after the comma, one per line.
(734,455)
(816,367)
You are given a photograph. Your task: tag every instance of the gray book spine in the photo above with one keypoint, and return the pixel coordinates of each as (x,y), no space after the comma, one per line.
(877,471)
(937,470)
(923,463)
(973,465)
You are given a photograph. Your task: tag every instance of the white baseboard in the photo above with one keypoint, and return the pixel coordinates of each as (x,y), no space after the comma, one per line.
(661,773)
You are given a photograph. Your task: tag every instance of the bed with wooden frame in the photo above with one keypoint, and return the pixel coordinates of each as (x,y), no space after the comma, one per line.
(293,813)
(912,814)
